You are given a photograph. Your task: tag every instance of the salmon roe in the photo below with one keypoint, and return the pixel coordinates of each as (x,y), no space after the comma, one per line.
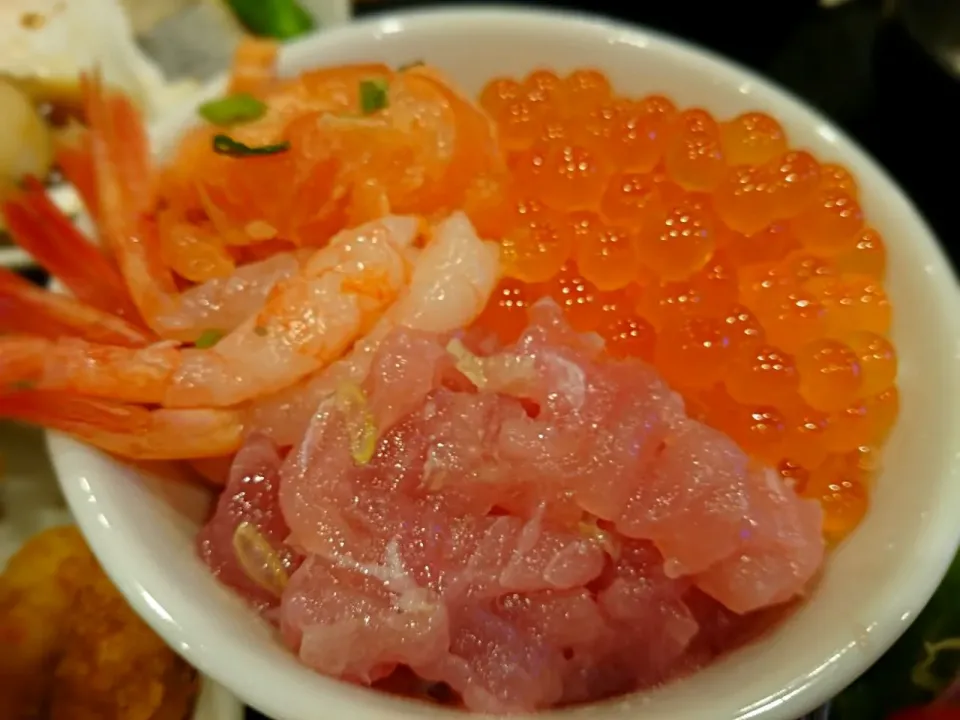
(743,269)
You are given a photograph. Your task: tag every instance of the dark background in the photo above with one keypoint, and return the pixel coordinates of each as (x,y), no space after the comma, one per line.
(856,62)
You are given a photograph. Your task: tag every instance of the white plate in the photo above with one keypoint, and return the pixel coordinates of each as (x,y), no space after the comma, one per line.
(31,502)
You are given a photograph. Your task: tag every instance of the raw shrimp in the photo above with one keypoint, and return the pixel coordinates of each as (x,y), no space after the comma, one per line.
(130,431)
(345,165)
(40,228)
(307,322)
(126,196)
(21,361)
(124,189)
(129,226)
(260,327)
(224,303)
(451,283)
(25,308)
(192,250)
(221,303)
(73,157)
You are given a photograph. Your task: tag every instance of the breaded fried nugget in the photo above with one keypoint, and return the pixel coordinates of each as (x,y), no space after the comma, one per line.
(72,649)
(36,591)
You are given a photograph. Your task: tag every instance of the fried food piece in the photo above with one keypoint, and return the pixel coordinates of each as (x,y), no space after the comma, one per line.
(72,649)
(36,591)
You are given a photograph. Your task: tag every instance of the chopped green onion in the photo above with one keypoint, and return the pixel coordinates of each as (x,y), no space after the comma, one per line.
(259,330)
(226,145)
(280,19)
(208,338)
(20,385)
(232,109)
(373,96)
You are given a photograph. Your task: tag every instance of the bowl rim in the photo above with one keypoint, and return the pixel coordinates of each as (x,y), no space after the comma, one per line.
(940,541)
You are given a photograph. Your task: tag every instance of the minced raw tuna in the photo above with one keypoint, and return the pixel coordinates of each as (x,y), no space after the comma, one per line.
(530,525)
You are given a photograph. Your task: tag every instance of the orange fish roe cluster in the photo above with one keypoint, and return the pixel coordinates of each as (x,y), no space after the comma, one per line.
(743,269)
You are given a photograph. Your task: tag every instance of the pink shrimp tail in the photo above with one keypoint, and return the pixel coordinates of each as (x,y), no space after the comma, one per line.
(30,310)
(129,431)
(126,195)
(120,150)
(75,160)
(39,227)
(21,361)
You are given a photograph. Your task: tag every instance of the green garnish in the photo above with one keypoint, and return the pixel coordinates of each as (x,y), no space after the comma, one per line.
(226,145)
(373,96)
(19,385)
(407,66)
(259,330)
(232,109)
(923,675)
(208,338)
(280,19)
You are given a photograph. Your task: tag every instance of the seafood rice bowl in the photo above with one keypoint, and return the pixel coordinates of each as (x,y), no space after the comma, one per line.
(517,386)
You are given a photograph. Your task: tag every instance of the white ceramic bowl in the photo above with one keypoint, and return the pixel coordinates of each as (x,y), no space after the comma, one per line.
(143,530)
